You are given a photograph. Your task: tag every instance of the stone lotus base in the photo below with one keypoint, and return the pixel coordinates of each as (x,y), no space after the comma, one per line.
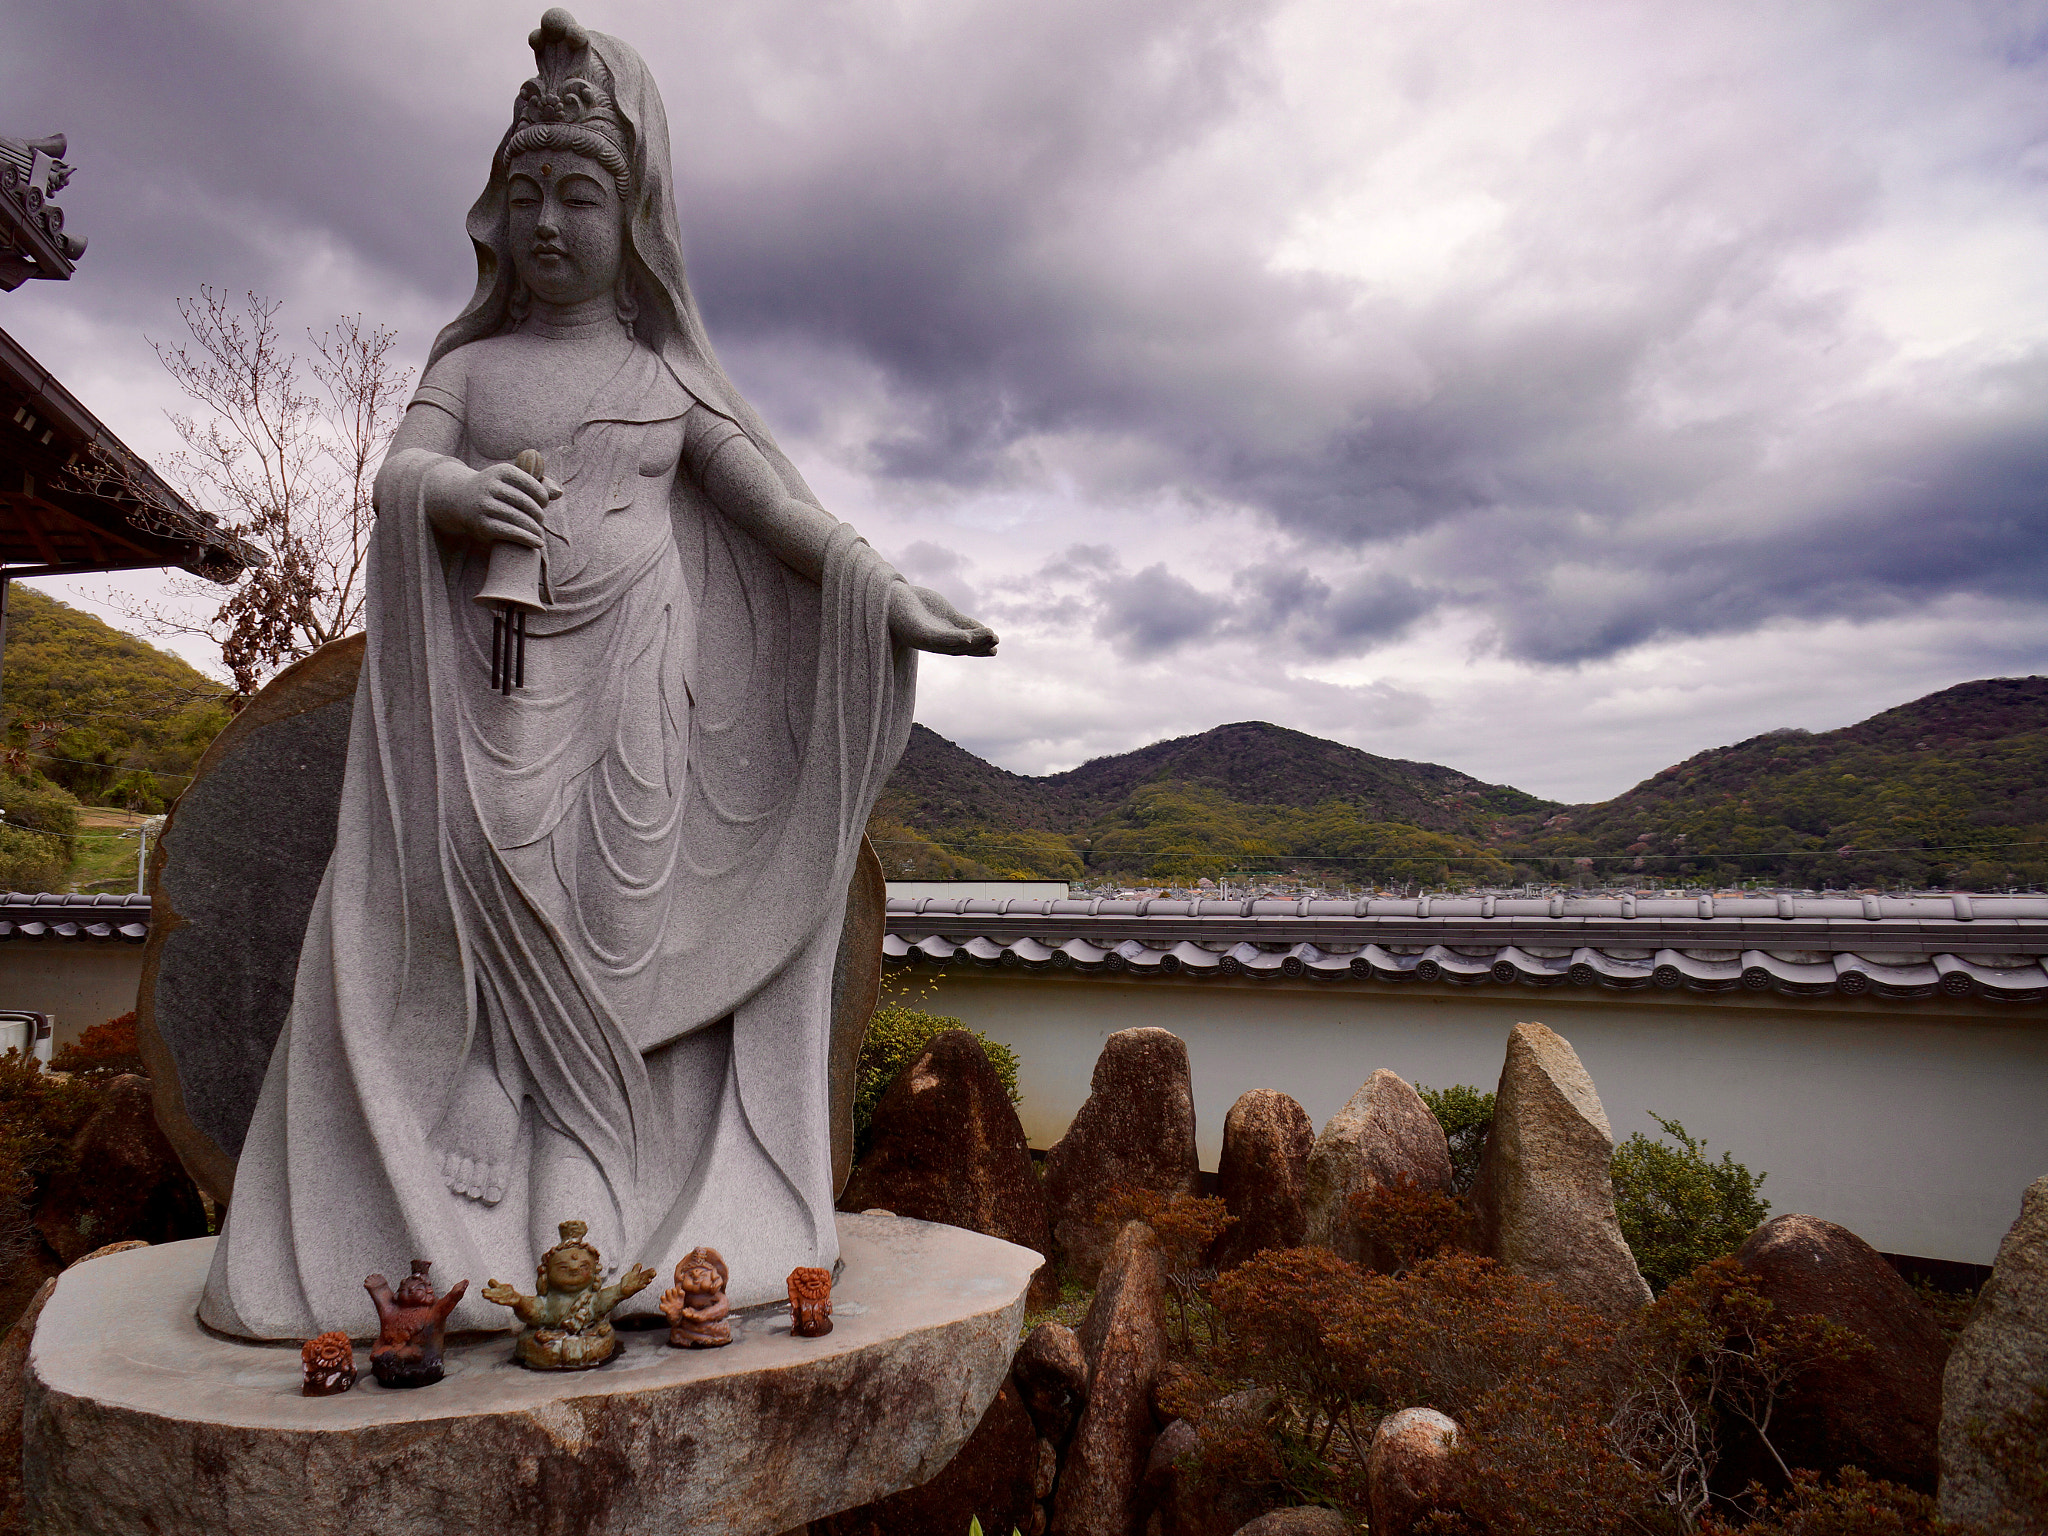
(139,1420)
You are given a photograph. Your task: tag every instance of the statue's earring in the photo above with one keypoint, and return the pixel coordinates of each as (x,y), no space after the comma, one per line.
(627,301)
(519,301)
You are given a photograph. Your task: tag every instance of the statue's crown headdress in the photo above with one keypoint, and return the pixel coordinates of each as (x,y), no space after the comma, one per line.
(572,1237)
(569,104)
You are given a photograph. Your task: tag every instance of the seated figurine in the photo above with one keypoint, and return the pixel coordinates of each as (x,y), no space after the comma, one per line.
(412,1328)
(328,1364)
(695,1306)
(810,1302)
(565,1323)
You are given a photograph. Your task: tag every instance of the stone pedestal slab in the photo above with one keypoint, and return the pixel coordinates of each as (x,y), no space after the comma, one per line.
(138,1419)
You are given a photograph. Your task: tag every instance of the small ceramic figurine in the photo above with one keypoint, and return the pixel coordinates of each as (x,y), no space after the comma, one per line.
(565,1323)
(810,1302)
(329,1364)
(412,1326)
(695,1306)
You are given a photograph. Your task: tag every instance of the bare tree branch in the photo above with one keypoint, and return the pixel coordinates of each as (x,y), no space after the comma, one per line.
(285,451)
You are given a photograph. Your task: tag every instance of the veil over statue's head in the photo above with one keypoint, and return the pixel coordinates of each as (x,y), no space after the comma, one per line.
(593,95)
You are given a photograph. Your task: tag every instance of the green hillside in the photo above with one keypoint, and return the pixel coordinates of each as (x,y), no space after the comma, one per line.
(94,719)
(1949,790)
(108,717)
(1250,796)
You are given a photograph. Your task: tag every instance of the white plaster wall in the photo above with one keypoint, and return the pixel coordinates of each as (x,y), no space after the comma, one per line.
(1916,1127)
(82,984)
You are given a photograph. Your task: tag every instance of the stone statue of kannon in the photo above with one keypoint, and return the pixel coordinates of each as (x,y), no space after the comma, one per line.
(573,952)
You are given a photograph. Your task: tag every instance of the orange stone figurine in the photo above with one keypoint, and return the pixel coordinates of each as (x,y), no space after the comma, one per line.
(695,1305)
(810,1303)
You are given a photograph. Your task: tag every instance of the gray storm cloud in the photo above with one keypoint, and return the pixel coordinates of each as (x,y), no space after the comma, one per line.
(1592,326)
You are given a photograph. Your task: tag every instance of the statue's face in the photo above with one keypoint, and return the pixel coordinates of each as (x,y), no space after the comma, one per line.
(571,1269)
(700,1280)
(568,229)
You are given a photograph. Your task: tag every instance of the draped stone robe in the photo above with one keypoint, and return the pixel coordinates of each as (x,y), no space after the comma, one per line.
(611,898)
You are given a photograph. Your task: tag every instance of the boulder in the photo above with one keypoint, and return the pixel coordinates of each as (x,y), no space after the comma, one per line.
(989,1479)
(1997,1376)
(1125,1337)
(1384,1136)
(1299,1520)
(13,1379)
(1135,1132)
(1262,1175)
(1544,1198)
(1408,1471)
(1880,1411)
(232,882)
(124,1181)
(948,1147)
(1052,1374)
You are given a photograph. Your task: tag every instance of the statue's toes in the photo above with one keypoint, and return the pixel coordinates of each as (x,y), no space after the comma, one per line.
(476,1178)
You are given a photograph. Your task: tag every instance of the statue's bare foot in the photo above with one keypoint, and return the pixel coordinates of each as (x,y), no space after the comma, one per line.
(477,1136)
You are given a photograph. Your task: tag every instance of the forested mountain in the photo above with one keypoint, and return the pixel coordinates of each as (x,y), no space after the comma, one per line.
(1950,790)
(1244,796)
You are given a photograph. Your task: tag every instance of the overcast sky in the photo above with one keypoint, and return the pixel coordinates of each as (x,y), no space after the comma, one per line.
(1552,390)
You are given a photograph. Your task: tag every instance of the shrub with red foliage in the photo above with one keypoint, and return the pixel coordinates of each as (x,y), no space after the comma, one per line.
(102,1053)
(1852,1504)
(1187,1227)
(1406,1222)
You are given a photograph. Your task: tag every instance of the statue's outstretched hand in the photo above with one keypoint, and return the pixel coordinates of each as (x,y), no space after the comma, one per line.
(635,1280)
(502,1294)
(920,618)
(498,504)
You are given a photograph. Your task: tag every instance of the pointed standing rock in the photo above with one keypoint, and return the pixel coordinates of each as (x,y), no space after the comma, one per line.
(948,1147)
(1125,1337)
(1996,1376)
(1136,1132)
(1544,1198)
(1384,1136)
(1262,1175)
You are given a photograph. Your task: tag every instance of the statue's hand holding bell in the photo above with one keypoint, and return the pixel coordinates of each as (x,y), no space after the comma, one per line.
(498,504)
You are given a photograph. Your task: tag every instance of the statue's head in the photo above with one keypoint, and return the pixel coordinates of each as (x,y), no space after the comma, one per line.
(701,1271)
(416,1290)
(567,168)
(572,1264)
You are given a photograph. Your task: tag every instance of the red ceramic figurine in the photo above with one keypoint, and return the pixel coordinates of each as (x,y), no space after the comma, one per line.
(413,1326)
(810,1302)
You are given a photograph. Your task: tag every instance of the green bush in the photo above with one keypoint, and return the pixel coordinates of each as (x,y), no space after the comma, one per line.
(895,1035)
(1678,1210)
(1466,1115)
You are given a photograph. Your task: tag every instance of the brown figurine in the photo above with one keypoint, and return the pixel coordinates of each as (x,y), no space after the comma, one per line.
(695,1306)
(329,1364)
(810,1303)
(565,1323)
(412,1327)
